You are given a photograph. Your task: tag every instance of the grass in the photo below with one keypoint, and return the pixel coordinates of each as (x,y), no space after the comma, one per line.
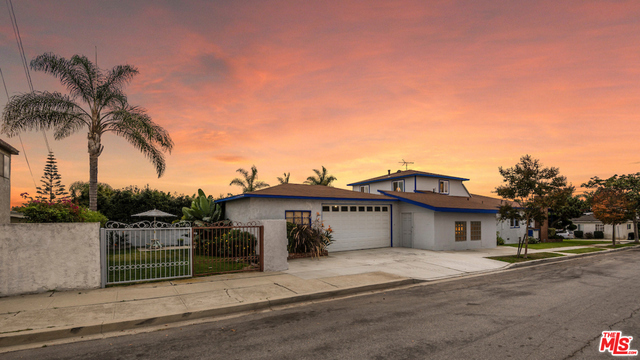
(565,243)
(581,251)
(619,245)
(131,264)
(515,259)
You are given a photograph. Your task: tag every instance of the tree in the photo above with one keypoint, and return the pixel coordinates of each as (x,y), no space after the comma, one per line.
(628,186)
(321,178)
(572,207)
(249,182)
(52,187)
(108,111)
(532,189)
(285,179)
(611,206)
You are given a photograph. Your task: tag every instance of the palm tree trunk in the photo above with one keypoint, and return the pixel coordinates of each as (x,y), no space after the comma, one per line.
(93,182)
(95,149)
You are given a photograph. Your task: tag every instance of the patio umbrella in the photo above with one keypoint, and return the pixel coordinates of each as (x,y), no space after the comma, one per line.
(155,213)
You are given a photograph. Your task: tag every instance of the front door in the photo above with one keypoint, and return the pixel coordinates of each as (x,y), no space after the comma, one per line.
(407,230)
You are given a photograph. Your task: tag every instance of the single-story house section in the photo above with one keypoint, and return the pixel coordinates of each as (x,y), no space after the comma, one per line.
(589,223)
(405,209)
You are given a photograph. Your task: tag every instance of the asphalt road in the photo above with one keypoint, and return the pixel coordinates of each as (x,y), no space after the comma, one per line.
(556,311)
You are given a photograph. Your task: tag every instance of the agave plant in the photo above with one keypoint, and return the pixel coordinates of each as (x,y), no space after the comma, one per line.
(202,210)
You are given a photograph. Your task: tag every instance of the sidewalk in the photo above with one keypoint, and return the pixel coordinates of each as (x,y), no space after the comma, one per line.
(38,318)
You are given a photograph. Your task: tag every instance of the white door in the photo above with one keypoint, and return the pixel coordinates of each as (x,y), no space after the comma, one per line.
(357,227)
(407,230)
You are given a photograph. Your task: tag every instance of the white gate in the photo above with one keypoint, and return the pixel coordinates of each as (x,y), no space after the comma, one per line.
(145,251)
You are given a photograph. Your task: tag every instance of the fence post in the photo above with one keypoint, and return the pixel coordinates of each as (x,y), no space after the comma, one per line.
(104,271)
(262,248)
(193,255)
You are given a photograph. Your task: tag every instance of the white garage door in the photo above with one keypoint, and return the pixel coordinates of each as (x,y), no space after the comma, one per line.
(358,227)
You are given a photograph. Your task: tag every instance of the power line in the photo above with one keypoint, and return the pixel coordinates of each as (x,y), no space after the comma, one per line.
(19,137)
(25,64)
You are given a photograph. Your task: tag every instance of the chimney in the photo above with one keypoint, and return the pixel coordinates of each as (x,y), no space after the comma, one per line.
(389,172)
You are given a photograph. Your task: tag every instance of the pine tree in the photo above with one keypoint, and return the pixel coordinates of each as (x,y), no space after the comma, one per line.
(52,187)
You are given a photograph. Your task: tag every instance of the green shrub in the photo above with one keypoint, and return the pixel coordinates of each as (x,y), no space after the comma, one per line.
(64,211)
(236,243)
(598,235)
(500,241)
(578,234)
(551,232)
(92,216)
(588,235)
(533,240)
(309,238)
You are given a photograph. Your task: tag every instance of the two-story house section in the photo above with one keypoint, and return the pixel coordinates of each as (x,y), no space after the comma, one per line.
(412,180)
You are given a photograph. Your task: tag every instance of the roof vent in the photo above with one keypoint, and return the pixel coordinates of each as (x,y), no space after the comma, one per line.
(389,172)
(399,171)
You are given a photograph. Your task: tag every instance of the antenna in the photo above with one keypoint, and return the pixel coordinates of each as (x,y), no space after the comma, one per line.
(405,164)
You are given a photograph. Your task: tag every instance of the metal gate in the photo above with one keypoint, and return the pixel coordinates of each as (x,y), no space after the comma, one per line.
(227,247)
(145,251)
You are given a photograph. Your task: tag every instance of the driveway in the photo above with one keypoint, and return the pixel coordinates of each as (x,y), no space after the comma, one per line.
(413,263)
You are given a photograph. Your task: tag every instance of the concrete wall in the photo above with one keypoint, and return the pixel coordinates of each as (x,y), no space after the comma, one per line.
(445,231)
(5,193)
(275,245)
(41,257)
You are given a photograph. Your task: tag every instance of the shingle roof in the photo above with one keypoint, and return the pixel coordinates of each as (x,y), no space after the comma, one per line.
(441,202)
(403,174)
(586,218)
(4,145)
(309,191)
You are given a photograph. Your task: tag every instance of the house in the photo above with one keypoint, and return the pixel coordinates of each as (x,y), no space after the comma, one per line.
(6,151)
(409,208)
(589,224)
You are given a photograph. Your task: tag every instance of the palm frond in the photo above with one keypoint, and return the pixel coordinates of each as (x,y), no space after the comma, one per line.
(137,127)
(43,110)
(73,77)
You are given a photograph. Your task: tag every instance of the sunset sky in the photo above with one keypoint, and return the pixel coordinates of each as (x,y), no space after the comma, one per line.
(457,87)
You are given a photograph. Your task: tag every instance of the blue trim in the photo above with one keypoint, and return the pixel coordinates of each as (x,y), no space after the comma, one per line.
(415,183)
(295,197)
(441,209)
(408,176)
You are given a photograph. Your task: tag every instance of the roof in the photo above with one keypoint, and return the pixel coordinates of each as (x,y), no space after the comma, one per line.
(447,203)
(5,146)
(300,191)
(586,218)
(403,174)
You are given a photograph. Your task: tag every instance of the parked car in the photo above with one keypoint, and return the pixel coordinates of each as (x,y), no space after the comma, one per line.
(566,234)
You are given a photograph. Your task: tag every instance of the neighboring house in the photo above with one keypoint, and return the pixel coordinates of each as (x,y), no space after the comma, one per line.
(589,223)
(6,151)
(17,217)
(411,208)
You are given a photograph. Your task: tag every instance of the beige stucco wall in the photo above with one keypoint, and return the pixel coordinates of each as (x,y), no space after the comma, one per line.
(5,195)
(42,257)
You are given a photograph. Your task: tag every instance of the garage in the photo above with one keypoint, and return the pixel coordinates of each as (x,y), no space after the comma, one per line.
(358,226)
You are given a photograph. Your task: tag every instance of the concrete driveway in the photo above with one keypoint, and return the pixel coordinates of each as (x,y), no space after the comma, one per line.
(412,263)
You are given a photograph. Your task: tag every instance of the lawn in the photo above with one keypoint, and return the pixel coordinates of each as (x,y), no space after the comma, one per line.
(581,251)
(134,265)
(566,243)
(514,259)
(620,245)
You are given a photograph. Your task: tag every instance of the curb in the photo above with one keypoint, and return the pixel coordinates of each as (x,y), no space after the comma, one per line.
(567,258)
(42,335)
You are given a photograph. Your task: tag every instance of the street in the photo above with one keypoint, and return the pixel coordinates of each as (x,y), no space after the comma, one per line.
(556,311)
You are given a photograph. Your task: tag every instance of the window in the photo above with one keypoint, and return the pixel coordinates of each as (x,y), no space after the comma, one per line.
(444,186)
(580,227)
(476,230)
(600,227)
(398,186)
(4,166)
(628,226)
(364,188)
(326,208)
(361,208)
(461,231)
(384,209)
(353,209)
(377,208)
(335,208)
(515,223)
(344,208)
(301,217)
(369,208)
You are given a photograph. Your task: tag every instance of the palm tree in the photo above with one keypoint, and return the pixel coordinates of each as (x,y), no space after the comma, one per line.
(285,179)
(321,178)
(250,182)
(108,111)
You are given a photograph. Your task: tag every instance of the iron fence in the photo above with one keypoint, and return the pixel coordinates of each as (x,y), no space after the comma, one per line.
(227,247)
(145,251)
